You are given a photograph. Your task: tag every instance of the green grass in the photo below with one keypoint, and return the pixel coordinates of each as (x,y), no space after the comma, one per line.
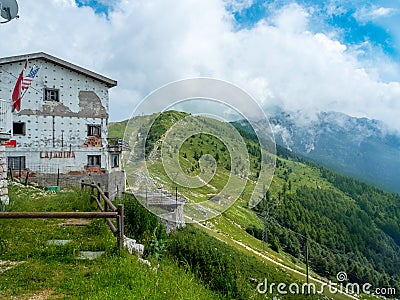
(54,270)
(117,129)
(109,277)
(290,176)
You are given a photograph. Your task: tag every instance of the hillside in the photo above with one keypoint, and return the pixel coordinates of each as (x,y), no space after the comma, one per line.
(359,147)
(33,268)
(190,264)
(351,227)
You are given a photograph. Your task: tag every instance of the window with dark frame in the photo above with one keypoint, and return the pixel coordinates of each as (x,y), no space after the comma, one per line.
(18,128)
(94,130)
(114,160)
(51,95)
(94,160)
(16,162)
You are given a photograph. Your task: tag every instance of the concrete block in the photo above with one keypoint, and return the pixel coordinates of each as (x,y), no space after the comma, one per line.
(133,247)
(90,255)
(4,200)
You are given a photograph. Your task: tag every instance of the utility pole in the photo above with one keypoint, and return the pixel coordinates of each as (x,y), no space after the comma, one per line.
(176,205)
(307,267)
(265,233)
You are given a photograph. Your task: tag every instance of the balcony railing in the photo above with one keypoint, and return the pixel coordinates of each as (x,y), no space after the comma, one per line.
(117,145)
(5,119)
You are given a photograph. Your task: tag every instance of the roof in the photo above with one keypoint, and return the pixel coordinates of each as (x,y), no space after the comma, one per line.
(47,57)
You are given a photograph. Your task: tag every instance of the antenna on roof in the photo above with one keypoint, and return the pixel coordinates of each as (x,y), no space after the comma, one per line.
(8,10)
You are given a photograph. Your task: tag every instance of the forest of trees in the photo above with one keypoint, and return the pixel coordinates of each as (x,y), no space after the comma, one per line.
(349,227)
(353,228)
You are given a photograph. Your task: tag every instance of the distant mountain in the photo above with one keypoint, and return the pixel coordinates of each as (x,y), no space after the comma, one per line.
(359,147)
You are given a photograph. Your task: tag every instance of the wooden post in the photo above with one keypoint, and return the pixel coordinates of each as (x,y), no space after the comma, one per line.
(11,174)
(120,221)
(26,178)
(105,202)
(20,164)
(58,177)
(82,184)
(99,195)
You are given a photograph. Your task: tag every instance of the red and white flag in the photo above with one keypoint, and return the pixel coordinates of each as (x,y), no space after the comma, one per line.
(17,92)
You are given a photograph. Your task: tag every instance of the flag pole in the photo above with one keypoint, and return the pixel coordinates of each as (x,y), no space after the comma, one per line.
(23,94)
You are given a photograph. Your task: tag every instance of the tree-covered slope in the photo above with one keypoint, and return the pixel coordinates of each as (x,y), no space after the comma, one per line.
(350,226)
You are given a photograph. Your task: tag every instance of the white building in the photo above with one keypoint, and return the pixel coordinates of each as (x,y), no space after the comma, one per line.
(62,124)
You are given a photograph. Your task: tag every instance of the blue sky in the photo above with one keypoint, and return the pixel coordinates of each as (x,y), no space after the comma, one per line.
(303,56)
(344,16)
(100,7)
(355,22)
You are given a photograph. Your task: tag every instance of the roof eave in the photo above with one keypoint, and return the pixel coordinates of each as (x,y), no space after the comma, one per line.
(47,57)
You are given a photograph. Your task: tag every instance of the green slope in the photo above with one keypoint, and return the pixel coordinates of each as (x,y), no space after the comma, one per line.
(351,227)
(43,271)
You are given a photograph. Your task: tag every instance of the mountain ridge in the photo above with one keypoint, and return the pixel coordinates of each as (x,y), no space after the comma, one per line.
(359,147)
(357,222)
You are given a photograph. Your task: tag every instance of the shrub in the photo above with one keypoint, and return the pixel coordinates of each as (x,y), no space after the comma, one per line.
(144,226)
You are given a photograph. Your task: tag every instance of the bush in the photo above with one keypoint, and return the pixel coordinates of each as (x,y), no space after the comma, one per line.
(224,269)
(144,226)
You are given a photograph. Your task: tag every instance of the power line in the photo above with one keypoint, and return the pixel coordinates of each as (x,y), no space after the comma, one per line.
(16,77)
(335,252)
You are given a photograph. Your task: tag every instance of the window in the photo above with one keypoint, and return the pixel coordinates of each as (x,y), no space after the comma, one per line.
(114,160)
(51,95)
(16,162)
(94,130)
(18,128)
(94,160)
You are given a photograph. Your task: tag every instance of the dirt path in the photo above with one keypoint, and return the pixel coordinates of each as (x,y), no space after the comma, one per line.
(325,283)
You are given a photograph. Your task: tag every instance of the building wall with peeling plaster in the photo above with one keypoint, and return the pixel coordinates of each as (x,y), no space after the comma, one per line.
(56,132)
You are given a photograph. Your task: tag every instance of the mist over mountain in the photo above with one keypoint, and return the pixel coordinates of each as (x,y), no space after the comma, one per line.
(359,147)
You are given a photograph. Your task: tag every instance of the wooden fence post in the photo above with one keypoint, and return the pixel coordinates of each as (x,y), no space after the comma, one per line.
(26,178)
(98,193)
(105,202)
(120,221)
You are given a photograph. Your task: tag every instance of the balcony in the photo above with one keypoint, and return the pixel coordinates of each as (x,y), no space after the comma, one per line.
(5,120)
(117,145)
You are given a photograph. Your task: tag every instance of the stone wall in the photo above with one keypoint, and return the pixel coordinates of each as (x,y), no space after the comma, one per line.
(4,200)
(113,183)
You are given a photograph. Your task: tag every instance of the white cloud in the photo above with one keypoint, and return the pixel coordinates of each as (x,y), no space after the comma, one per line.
(146,44)
(291,18)
(238,5)
(366,14)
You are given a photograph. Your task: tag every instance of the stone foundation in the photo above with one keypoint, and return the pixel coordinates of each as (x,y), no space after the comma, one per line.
(113,183)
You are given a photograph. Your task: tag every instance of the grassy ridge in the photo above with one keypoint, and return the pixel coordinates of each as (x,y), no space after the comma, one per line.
(354,227)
